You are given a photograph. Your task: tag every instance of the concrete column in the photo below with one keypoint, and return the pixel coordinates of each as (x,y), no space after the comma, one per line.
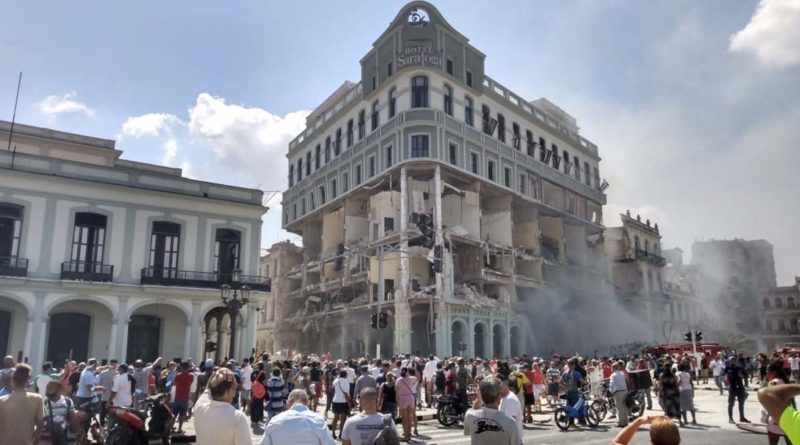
(186,339)
(36,349)
(470,337)
(402,321)
(26,348)
(120,327)
(194,337)
(250,332)
(440,308)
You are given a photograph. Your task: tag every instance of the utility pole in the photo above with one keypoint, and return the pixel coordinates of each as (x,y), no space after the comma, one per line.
(694,354)
(380,301)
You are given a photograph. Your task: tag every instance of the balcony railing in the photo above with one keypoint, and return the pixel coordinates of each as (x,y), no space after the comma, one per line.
(85,271)
(13,266)
(650,257)
(163,276)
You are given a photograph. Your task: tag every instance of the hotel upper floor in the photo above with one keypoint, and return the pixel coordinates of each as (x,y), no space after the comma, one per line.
(71,209)
(424,96)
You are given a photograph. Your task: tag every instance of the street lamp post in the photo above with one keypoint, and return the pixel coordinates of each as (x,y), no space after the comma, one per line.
(234,297)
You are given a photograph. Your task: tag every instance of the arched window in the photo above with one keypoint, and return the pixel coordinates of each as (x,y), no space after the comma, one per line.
(768,325)
(392,102)
(646,246)
(778,303)
(226,252)
(636,243)
(362,124)
(781,325)
(501,127)
(793,326)
(650,280)
(790,303)
(486,118)
(164,249)
(448,100)
(419,92)
(350,133)
(88,240)
(10,231)
(469,117)
(656,249)
(765,303)
(516,136)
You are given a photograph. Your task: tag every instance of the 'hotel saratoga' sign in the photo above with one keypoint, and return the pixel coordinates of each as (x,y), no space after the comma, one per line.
(418,53)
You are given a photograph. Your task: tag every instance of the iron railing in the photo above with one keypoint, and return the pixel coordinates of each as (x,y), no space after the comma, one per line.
(13,266)
(87,271)
(164,276)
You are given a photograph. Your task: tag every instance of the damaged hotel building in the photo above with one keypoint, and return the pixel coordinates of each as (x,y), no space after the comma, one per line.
(479,200)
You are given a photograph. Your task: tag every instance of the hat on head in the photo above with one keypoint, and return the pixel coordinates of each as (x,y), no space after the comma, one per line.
(209,363)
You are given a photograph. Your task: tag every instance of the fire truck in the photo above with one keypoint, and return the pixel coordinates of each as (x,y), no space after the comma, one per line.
(686,348)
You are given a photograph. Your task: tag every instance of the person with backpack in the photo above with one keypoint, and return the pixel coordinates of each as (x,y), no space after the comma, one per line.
(60,419)
(258,393)
(297,425)
(369,427)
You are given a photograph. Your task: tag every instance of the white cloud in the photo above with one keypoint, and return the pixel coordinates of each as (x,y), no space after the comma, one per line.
(52,106)
(250,141)
(170,151)
(773,33)
(151,124)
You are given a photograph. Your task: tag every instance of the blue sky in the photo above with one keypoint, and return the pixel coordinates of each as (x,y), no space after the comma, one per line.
(694,104)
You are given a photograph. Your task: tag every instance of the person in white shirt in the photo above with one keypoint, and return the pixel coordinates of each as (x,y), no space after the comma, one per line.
(618,387)
(686,387)
(216,421)
(341,401)
(510,406)
(298,425)
(247,385)
(487,425)
(716,370)
(43,379)
(122,389)
(362,428)
(794,365)
(428,377)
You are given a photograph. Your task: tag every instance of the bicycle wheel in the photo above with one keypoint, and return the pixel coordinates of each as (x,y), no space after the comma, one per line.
(592,417)
(447,415)
(117,436)
(561,416)
(637,408)
(601,407)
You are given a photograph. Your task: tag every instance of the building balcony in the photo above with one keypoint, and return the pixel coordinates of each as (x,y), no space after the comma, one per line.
(163,276)
(85,271)
(13,266)
(651,258)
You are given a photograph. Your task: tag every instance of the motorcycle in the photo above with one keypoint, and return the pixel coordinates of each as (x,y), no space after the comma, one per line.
(127,425)
(450,410)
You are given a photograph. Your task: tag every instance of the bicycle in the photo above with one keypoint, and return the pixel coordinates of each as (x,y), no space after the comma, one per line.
(565,414)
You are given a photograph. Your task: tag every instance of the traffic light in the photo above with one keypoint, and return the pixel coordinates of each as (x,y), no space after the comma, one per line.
(373,321)
(383,320)
(698,336)
(687,336)
(437,259)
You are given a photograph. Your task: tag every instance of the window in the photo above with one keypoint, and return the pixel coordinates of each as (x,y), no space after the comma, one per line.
(522,181)
(567,165)
(501,127)
(299,170)
(164,248)
(371,166)
(469,78)
(374,83)
(587,175)
(542,149)
(636,244)
(453,151)
(322,195)
(596,177)
(333,188)
(375,115)
(486,119)
(88,242)
(507,177)
(577,163)
(646,246)
(327,149)
(303,206)
(535,186)
(388,225)
(778,303)
(362,116)
(337,145)
(389,69)
(226,252)
(515,131)
(765,303)
(450,66)
(316,155)
(345,181)
(468,114)
(419,92)
(419,146)
(291,175)
(790,303)
(490,170)
(358,174)
(448,100)
(556,159)
(308,163)
(313,201)
(350,133)
(529,142)
(11,216)
(294,211)
(389,159)
(392,102)
(473,162)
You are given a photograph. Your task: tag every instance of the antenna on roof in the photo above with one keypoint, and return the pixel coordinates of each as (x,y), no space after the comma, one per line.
(14,116)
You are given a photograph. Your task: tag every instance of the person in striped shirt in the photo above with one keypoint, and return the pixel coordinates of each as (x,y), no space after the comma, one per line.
(276,390)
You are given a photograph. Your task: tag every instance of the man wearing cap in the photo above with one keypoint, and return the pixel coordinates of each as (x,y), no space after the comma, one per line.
(365,380)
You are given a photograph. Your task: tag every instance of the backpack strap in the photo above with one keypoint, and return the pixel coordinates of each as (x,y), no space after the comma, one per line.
(387,420)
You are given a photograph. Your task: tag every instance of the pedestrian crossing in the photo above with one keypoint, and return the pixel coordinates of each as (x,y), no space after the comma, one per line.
(431,433)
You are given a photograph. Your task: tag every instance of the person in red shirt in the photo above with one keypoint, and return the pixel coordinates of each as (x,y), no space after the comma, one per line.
(183,386)
(605,366)
(527,389)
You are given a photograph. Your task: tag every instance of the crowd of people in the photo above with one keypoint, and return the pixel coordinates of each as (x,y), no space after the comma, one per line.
(294,398)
